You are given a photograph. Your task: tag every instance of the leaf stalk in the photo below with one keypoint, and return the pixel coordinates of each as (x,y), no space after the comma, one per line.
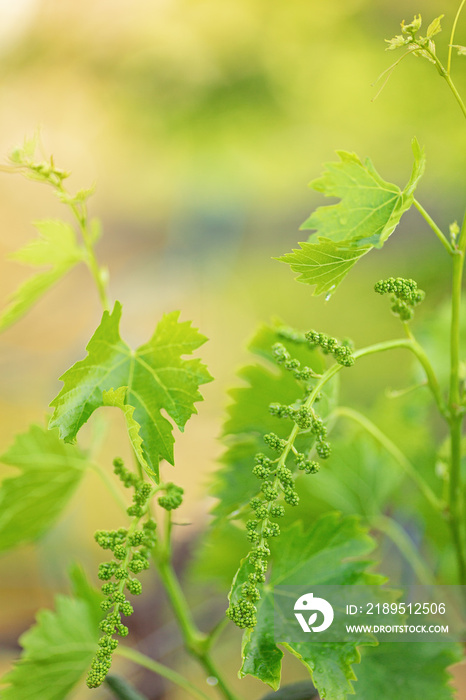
(146,662)
(452,36)
(440,235)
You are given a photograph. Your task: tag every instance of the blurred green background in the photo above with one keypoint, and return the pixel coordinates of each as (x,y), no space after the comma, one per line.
(201,123)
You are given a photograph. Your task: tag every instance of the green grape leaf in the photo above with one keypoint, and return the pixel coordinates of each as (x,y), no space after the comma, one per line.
(84,590)
(31,502)
(368,212)
(57,650)
(434,27)
(324,264)
(370,208)
(321,555)
(153,378)
(405,671)
(249,417)
(57,249)
(301,690)
(117,398)
(216,558)
(359,477)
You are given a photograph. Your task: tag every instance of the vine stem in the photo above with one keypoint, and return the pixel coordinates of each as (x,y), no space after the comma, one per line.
(452,36)
(446,75)
(456,513)
(455,92)
(440,235)
(97,272)
(146,662)
(394,451)
(455,411)
(414,347)
(408,344)
(196,642)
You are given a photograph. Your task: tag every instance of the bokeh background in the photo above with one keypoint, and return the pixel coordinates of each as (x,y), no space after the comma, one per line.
(201,123)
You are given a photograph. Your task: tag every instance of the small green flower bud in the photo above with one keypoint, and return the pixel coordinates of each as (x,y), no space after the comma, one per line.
(119,551)
(292,365)
(255,503)
(261,472)
(243,614)
(261,551)
(291,497)
(323,449)
(313,337)
(253,536)
(134,586)
(285,475)
(270,494)
(277,409)
(311,467)
(277,511)
(250,591)
(280,353)
(274,442)
(273,530)
(136,539)
(126,609)
(134,511)
(120,573)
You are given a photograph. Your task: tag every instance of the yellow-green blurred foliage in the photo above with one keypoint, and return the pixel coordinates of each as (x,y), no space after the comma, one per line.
(201,122)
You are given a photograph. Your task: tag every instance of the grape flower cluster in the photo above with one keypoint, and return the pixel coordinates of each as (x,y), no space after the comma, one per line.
(342,352)
(275,474)
(131,548)
(405,295)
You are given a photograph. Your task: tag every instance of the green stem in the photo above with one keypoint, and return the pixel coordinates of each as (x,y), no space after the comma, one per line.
(455,93)
(445,74)
(452,36)
(394,451)
(213,672)
(93,265)
(441,236)
(196,643)
(397,534)
(454,396)
(408,344)
(161,670)
(80,213)
(456,411)
(414,347)
(455,498)
(122,689)
(193,638)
